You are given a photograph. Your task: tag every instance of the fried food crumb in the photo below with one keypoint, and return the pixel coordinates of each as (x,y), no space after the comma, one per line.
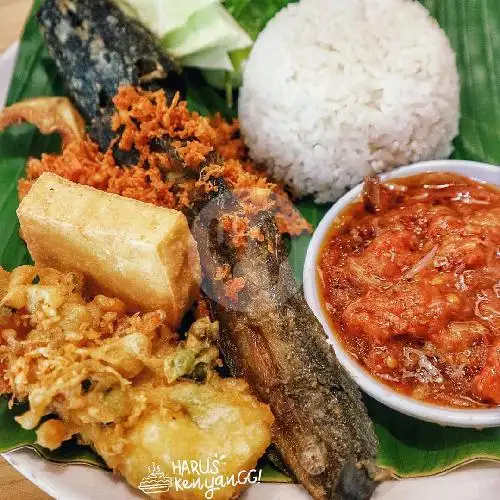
(208,147)
(52,433)
(233,287)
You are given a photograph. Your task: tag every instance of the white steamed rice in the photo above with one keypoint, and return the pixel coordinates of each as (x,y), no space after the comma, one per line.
(336,89)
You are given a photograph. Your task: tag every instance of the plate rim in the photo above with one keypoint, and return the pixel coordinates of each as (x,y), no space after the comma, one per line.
(8,60)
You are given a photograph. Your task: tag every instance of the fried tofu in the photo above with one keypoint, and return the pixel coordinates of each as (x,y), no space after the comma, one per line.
(143,254)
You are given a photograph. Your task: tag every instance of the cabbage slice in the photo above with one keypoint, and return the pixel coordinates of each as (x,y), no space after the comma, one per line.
(198,33)
(216,59)
(224,79)
(163,16)
(209,28)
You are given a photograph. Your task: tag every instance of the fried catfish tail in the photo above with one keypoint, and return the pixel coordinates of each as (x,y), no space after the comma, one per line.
(272,339)
(97,48)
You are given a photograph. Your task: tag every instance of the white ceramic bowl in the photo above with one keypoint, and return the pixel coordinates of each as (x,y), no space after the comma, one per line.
(432,413)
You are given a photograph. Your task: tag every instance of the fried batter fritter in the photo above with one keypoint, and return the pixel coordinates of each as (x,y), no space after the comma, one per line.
(125,385)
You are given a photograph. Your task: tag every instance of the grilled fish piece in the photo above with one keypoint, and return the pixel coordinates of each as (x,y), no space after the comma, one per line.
(97,48)
(272,339)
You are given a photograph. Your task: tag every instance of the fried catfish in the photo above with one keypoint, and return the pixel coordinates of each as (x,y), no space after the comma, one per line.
(270,337)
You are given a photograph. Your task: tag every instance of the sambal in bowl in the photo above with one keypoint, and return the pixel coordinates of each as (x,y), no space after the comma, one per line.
(404,274)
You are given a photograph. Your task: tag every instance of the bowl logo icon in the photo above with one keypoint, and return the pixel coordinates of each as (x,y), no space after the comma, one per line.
(155,481)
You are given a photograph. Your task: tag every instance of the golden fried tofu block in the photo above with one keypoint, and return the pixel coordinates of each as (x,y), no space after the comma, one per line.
(143,254)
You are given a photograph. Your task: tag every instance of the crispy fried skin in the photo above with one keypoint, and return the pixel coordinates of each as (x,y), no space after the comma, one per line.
(124,384)
(49,114)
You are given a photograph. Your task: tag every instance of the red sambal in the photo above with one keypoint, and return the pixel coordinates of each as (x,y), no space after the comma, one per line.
(411,283)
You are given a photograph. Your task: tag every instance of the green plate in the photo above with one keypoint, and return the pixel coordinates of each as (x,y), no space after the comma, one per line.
(408,447)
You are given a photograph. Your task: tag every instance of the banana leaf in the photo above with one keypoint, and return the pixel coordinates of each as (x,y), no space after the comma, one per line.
(408,447)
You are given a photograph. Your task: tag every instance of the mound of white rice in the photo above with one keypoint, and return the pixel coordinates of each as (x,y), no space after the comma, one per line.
(336,89)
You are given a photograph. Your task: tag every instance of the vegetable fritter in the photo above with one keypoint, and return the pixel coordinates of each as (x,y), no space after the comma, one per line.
(126,385)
